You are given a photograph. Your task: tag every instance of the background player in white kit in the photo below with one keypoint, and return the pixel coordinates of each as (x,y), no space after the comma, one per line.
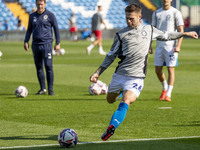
(167,19)
(131,45)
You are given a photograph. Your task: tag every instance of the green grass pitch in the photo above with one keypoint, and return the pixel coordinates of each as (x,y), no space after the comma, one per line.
(37,120)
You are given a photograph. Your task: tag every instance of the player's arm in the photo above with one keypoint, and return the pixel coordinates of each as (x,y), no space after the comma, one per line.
(192,34)
(57,47)
(26,46)
(69,23)
(166,36)
(153,23)
(103,22)
(28,34)
(150,48)
(96,75)
(178,46)
(108,60)
(57,33)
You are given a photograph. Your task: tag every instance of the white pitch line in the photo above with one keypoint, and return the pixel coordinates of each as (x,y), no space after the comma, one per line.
(31,146)
(164,107)
(112,141)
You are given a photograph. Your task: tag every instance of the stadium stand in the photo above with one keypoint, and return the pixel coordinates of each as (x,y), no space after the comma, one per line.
(156,3)
(18,11)
(113,11)
(83,9)
(190,9)
(6,14)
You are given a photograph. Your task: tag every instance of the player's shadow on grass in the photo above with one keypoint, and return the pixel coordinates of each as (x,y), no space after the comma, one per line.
(9,94)
(147,99)
(63,99)
(54,98)
(190,124)
(31,137)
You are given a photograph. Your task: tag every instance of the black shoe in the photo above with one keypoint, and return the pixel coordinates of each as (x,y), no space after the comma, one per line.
(108,133)
(51,92)
(41,92)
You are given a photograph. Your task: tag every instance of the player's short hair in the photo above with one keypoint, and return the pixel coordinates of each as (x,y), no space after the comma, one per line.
(41,0)
(133,8)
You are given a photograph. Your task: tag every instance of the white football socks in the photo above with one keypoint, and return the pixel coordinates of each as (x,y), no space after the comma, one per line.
(75,37)
(165,85)
(169,90)
(101,51)
(89,48)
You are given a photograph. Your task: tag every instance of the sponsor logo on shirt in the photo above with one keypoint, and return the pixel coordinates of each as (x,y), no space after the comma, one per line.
(130,36)
(34,19)
(159,17)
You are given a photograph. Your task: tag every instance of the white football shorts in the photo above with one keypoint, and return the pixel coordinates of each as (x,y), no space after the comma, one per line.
(164,57)
(120,83)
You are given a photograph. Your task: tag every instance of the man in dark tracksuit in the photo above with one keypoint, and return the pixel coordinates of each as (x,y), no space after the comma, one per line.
(40,26)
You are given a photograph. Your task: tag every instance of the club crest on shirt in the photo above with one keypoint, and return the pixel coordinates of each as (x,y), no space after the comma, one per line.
(144,34)
(168,18)
(45,17)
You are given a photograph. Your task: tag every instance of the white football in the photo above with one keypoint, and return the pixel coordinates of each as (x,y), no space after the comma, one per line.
(53,52)
(104,89)
(100,82)
(61,51)
(67,138)
(1,54)
(21,91)
(94,89)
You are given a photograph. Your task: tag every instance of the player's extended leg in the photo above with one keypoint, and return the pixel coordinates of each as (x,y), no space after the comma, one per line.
(38,59)
(91,46)
(75,36)
(112,97)
(120,114)
(40,75)
(101,51)
(162,79)
(171,79)
(71,35)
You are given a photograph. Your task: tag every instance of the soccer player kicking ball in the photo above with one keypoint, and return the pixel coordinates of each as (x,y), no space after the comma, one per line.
(131,45)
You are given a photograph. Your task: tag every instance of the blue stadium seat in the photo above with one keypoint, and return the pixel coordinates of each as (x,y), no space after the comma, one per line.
(7,15)
(115,15)
(1,28)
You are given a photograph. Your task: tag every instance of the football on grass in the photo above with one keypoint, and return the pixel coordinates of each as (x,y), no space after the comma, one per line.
(98,88)
(94,89)
(67,138)
(21,91)
(61,51)
(104,89)
(1,54)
